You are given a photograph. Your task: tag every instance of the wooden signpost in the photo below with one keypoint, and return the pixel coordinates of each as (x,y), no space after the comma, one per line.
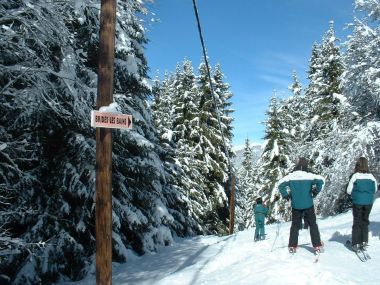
(103,186)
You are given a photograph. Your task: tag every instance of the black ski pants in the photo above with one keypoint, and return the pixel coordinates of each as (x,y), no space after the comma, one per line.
(361,222)
(311,220)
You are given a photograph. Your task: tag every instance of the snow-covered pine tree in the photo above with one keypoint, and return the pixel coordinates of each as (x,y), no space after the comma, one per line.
(224,96)
(325,71)
(176,182)
(245,197)
(186,133)
(296,87)
(142,217)
(314,87)
(362,59)
(274,162)
(331,62)
(211,148)
(49,75)
(37,102)
(162,106)
(298,111)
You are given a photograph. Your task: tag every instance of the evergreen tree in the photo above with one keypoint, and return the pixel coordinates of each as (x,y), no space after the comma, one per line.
(246,194)
(314,87)
(332,66)
(176,182)
(296,87)
(211,149)
(37,101)
(298,111)
(187,130)
(49,78)
(324,73)
(142,202)
(162,107)
(274,162)
(224,96)
(360,80)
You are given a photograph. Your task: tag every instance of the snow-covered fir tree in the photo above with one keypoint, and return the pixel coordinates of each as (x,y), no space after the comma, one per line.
(325,70)
(176,181)
(197,141)
(49,71)
(296,109)
(360,80)
(186,133)
(313,76)
(331,62)
(245,197)
(40,93)
(212,142)
(224,96)
(274,161)
(296,87)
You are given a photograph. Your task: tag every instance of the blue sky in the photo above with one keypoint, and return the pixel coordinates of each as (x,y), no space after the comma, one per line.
(257,43)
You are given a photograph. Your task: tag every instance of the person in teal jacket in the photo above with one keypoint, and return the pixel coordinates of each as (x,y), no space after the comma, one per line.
(362,188)
(261,211)
(301,186)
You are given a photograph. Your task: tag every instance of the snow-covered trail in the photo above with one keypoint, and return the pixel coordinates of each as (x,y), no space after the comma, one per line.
(236,259)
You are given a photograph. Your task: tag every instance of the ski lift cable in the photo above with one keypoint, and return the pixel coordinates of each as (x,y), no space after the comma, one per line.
(212,88)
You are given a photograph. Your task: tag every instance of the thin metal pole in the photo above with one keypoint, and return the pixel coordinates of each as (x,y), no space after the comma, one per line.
(103,206)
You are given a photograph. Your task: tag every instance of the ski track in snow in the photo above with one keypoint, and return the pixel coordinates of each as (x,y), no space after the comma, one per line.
(237,259)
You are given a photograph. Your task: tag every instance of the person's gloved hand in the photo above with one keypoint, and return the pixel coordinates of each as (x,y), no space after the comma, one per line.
(314,192)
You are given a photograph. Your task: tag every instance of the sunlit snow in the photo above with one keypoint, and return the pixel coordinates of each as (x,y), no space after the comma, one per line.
(237,259)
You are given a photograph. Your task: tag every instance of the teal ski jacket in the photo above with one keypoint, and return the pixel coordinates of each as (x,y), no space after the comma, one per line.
(298,186)
(260,212)
(362,188)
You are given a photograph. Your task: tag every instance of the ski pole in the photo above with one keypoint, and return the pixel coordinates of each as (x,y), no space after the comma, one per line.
(277,234)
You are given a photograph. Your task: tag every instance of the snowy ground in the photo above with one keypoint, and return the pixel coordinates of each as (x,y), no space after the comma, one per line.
(236,259)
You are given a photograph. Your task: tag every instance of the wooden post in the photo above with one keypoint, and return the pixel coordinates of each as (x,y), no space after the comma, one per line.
(103,206)
(232,206)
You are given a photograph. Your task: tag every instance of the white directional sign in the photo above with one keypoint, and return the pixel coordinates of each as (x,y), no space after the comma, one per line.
(110,120)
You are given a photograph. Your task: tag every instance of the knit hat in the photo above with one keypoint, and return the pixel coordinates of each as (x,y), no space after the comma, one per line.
(302,164)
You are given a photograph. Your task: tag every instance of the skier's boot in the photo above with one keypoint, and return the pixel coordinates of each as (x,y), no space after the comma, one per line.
(292,249)
(356,247)
(318,249)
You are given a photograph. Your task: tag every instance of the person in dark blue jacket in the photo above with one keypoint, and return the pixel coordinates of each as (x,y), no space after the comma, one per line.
(261,211)
(301,186)
(362,188)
